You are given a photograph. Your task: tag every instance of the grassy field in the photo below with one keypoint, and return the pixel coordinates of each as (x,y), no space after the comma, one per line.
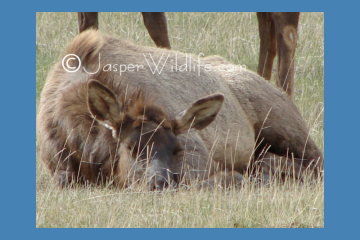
(233,36)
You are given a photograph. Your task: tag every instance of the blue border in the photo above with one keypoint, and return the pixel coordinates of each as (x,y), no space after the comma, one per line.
(341,119)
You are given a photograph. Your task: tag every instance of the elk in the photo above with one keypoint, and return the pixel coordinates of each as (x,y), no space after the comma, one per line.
(277,31)
(101,123)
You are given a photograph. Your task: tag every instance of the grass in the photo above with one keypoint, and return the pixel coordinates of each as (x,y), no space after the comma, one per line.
(233,36)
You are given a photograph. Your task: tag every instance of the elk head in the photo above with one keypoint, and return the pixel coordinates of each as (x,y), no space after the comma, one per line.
(147,138)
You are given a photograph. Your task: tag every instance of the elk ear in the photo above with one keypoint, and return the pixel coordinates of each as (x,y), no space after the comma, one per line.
(199,115)
(103,105)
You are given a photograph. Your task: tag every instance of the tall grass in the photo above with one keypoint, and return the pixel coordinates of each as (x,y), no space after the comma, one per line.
(235,37)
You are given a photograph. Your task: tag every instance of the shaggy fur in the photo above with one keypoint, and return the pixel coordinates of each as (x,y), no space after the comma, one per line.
(255,114)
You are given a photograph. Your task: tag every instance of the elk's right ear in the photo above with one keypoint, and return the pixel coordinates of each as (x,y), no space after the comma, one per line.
(103,105)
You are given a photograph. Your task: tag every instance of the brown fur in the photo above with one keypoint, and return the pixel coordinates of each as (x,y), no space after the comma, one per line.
(77,147)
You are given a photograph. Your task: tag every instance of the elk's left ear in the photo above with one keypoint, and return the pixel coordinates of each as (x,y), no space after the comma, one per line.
(199,115)
(103,105)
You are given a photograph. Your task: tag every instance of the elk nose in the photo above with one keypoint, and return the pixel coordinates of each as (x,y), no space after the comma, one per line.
(159,175)
(158,183)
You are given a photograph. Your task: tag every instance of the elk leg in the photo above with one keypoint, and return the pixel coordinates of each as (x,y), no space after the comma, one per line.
(222,179)
(272,165)
(286,25)
(65,178)
(289,137)
(87,20)
(267,45)
(195,167)
(59,161)
(155,23)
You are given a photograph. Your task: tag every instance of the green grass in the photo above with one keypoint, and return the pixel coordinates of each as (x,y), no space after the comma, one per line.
(233,36)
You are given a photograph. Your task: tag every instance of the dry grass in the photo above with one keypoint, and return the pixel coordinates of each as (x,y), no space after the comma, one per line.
(235,37)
